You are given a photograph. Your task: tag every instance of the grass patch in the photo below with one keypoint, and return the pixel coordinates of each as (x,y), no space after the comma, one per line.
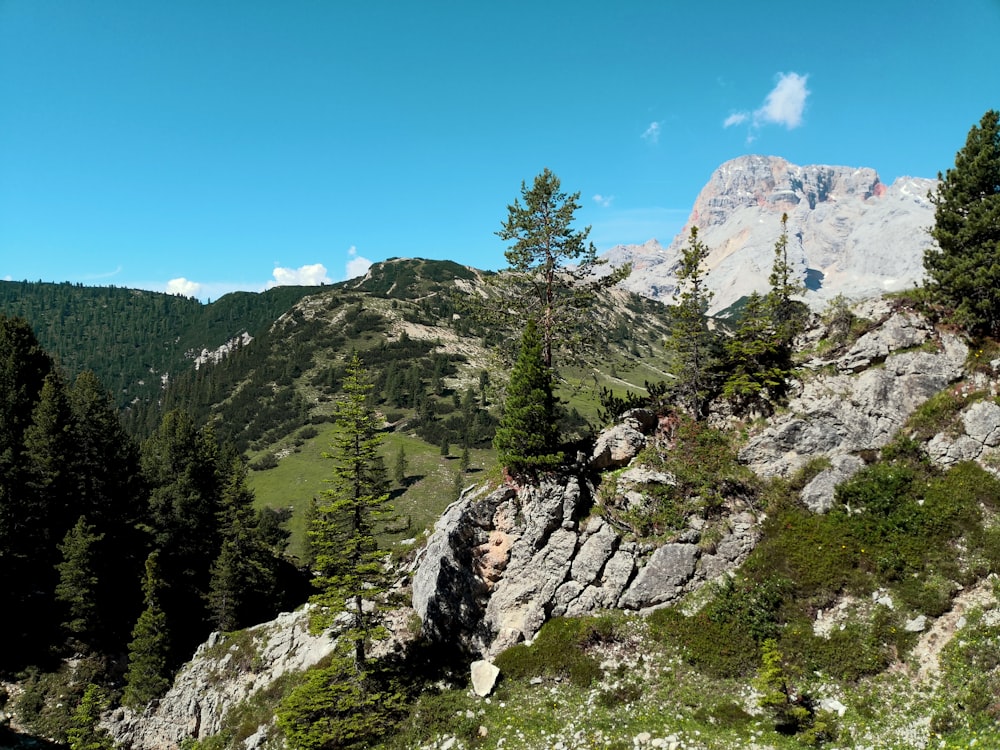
(301,475)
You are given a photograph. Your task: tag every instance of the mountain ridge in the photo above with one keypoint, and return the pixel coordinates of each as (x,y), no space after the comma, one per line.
(849,233)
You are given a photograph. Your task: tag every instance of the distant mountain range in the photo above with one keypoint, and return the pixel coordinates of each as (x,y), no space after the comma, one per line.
(849,233)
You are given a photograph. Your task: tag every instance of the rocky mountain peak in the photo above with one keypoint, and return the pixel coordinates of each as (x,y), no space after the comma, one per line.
(849,232)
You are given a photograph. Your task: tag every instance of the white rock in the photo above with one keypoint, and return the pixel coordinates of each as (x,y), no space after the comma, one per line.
(484,677)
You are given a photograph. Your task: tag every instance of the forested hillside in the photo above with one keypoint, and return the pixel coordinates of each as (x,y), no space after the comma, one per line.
(135,340)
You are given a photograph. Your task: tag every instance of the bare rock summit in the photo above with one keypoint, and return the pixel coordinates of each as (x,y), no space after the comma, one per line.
(849,233)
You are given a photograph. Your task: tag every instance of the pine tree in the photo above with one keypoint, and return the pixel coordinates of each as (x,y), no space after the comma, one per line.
(350,571)
(243,576)
(84,732)
(963,271)
(552,264)
(340,706)
(399,466)
(691,342)
(78,582)
(527,437)
(753,356)
(788,314)
(147,676)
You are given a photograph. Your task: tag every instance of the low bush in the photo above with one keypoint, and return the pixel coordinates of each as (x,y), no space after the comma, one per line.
(560,649)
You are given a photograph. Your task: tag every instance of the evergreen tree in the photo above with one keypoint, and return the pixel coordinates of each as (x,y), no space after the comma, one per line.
(963,271)
(110,492)
(340,706)
(185,470)
(527,437)
(350,573)
(78,582)
(788,314)
(552,264)
(754,357)
(84,732)
(148,668)
(399,466)
(691,342)
(243,576)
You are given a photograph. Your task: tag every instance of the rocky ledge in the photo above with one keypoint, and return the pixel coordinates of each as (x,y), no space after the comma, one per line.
(498,566)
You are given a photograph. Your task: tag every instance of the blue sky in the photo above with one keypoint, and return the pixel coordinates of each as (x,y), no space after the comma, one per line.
(203,146)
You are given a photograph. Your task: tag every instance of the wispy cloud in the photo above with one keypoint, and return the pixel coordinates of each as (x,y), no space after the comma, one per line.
(603,200)
(736,118)
(104,275)
(357,265)
(652,133)
(784,105)
(183,287)
(311,275)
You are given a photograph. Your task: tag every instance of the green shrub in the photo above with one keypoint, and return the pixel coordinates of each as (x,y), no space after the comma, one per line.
(560,649)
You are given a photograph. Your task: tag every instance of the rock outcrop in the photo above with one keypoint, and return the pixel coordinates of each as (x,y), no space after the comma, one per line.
(497,567)
(221,675)
(858,400)
(849,233)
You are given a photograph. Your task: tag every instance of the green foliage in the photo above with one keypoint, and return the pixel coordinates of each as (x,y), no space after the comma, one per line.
(340,706)
(755,357)
(148,672)
(706,473)
(551,263)
(78,581)
(527,437)
(84,732)
(347,560)
(49,701)
(691,342)
(963,275)
(724,639)
(243,577)
(560,650)
(937,414)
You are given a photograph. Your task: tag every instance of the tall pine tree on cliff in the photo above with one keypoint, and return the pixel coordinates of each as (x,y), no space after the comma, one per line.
(963,271)
(528,436)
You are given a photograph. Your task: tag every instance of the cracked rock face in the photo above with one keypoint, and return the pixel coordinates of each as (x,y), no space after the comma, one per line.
(543,562)
(217,679)
(846,412)
(979,440)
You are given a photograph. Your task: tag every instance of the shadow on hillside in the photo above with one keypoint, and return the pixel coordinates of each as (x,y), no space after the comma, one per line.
(10,740)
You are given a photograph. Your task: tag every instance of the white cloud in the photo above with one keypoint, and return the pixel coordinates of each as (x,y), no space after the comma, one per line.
(603,200)
(786,102)
(736,118)
(357,265)
(652,133)
(183,287)
(313,275)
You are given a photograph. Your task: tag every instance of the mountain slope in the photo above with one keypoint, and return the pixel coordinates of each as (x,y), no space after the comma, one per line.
(849,233)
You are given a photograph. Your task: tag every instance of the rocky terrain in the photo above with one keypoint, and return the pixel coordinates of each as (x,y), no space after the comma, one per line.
(849,233)
(501,561)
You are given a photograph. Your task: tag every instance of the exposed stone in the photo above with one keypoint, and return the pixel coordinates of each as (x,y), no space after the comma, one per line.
(901,331)
(616,446)
(853,234)
(982,423)
(819,493)
(593,554)
(214,681)
(839,414)
(917,625)
(484,677)
(663,577)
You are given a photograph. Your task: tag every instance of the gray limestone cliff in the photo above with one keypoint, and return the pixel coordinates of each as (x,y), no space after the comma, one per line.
(849,233)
